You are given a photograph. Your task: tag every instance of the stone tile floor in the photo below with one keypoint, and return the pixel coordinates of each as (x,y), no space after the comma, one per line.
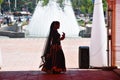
(25,53)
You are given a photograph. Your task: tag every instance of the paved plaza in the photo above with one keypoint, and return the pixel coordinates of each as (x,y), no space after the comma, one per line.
(21,59)
(25,53)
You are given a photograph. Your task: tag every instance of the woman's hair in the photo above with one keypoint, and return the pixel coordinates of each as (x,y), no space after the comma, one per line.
(52,25)
(47,46)
(48,42)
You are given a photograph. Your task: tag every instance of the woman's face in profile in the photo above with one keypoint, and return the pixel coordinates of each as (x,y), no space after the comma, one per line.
(56,25)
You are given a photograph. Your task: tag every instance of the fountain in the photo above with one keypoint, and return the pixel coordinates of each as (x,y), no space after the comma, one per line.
(44,15)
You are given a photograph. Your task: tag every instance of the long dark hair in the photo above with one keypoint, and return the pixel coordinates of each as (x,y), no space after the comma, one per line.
(48,42)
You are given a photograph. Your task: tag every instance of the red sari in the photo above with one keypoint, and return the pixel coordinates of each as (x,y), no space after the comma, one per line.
(54,60)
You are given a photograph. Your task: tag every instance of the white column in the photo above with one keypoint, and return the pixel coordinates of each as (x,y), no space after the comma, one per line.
(117,40)
(98,46)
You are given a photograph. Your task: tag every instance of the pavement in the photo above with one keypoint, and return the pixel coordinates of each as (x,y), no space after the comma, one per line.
(21,59)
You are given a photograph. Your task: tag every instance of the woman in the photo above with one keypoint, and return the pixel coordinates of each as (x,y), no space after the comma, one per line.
(53,58)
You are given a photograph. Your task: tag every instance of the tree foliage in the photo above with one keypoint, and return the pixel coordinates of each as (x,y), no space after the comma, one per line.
(1,1)
(85,6)
(28,4)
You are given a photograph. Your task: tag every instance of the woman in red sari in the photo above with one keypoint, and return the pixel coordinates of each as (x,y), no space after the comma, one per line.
(53,58)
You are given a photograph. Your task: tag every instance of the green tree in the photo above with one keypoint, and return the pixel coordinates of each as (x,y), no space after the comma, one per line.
(76,4)
(1,1)
(61,3)
(105,5)
(45,2)
(29,4)
(85,6)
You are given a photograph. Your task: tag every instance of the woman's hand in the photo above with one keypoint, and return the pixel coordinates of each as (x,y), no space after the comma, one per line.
(63,36)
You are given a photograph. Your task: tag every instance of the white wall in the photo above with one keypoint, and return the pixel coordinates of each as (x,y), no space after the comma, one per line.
(118,32)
